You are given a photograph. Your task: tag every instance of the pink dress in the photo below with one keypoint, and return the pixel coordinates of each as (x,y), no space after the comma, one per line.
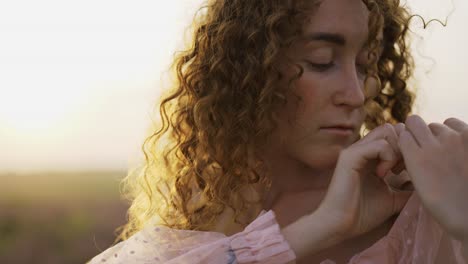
(414,238)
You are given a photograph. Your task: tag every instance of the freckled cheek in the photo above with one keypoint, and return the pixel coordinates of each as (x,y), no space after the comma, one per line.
(311,101)
(310,90)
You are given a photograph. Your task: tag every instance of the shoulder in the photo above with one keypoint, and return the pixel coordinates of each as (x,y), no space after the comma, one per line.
(226,223)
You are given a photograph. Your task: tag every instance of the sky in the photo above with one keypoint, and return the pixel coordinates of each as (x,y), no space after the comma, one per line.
(79,79)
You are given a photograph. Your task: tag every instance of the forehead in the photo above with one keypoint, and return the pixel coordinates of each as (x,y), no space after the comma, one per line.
(345,17)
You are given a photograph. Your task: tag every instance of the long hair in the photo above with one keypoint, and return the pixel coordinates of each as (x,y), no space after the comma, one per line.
(224,105)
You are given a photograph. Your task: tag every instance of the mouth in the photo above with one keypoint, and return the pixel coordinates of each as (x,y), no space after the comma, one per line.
(338,130)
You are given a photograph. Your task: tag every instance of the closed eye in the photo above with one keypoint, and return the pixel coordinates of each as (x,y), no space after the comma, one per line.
(320,67)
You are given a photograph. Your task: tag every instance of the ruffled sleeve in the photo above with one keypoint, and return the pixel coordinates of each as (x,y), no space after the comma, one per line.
(260,242)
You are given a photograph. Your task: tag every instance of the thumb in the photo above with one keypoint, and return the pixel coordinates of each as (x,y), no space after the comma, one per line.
(384,167)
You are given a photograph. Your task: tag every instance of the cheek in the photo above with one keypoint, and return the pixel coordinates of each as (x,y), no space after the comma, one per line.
(307,87)
(311,93)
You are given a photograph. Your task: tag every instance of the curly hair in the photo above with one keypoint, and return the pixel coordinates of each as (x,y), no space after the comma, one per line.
(225,101)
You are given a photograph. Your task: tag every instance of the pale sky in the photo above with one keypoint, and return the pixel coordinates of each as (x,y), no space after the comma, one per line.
(78,79)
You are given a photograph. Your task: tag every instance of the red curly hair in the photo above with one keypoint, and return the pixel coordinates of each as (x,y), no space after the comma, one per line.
(225,102)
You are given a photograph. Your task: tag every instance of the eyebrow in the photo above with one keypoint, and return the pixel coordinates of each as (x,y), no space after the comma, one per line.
(328,37)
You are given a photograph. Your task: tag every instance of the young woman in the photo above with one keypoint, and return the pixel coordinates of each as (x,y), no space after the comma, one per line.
(260,157)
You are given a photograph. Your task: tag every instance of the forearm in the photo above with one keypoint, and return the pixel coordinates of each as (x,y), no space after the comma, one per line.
(309,235)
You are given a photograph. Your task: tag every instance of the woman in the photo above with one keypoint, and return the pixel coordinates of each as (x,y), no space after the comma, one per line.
(265,163)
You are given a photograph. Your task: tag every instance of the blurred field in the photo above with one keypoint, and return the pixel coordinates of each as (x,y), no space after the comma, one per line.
(59,217)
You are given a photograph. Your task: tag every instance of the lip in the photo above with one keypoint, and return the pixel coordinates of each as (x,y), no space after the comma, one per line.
(340,125)
(338,130)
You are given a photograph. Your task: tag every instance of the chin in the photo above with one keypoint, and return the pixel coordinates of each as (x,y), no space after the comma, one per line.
(325,159)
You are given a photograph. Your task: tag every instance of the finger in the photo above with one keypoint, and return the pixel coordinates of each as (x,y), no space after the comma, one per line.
(407,143)
(400,127)
(399,182)
(386,156)
(396,180)
(385,166)
(456,124)
(437,128)
(385,131)
(409,147)
(420,131)
(399,167)
(378,150)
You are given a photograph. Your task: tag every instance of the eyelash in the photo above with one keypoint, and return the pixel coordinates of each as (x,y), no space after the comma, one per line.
(320,67)
(323,67)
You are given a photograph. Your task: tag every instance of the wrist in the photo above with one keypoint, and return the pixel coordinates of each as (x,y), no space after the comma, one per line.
(311,234)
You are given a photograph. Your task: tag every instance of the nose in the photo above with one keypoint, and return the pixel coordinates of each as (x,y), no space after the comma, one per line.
(350,90)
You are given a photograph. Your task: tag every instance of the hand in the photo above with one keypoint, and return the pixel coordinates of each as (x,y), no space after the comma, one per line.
(358,199)
(436,158)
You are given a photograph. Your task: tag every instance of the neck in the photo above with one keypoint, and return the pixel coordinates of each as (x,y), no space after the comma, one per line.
(291,176)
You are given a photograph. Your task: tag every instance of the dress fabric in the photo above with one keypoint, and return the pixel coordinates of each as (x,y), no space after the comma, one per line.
(414,238)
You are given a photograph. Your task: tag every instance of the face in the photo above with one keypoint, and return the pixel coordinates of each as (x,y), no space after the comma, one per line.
(330,112)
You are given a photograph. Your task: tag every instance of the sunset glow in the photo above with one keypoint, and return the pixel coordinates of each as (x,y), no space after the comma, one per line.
(78,80)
